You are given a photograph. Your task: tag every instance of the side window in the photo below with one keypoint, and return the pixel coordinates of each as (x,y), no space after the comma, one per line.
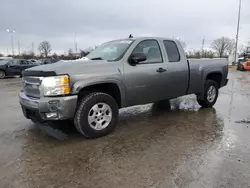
(25,62)
(151,49)
(172,51)
(11,62)
(14,62)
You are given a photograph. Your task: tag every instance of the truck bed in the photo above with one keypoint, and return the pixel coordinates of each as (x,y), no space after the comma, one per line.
(198,68)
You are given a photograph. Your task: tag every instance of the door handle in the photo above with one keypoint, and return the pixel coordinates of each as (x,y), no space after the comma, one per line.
(161,70)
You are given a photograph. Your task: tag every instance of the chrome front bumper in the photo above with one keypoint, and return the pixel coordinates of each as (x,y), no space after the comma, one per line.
(38,109)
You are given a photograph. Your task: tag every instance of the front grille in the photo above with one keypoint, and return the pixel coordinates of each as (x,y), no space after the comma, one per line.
(31,86)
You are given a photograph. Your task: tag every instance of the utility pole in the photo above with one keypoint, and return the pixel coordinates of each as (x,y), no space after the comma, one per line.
(11,38)
(76,47)
(237,35)
(33,51)
(18,47)
(75,43)
(202,46)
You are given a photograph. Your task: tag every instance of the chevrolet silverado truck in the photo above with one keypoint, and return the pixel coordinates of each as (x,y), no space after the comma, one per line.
(117,74)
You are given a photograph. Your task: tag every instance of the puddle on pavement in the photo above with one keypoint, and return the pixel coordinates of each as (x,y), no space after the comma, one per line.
(148,144)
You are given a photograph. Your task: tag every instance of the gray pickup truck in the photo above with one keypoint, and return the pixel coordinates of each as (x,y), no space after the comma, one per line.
(115,75)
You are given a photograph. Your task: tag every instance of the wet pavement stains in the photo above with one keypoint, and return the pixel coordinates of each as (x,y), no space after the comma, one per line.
(161,145)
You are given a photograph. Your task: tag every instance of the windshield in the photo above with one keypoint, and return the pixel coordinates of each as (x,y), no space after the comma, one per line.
(3,62)
(110,51)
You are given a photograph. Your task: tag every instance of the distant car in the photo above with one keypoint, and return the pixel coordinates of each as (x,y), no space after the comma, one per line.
(47,61)
(32,61)
(2,58)
(240,64)
(12,67)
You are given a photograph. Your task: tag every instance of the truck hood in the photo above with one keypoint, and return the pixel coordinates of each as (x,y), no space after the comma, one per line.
(77,67)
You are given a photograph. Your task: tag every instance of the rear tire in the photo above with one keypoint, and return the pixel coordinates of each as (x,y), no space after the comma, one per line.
(2,74)
(96,115)
(211,91)
(241,68)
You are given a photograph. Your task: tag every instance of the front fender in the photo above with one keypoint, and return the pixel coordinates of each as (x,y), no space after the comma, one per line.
(81,84)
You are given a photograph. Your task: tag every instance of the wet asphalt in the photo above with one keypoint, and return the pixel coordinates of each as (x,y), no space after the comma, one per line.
(185,147)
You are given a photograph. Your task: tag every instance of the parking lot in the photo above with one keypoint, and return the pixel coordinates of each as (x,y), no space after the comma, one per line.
(182,147)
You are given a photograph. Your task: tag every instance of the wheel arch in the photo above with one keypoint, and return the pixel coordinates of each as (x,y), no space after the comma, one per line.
(111,88)
(4,71)
(210,75)
(216,76)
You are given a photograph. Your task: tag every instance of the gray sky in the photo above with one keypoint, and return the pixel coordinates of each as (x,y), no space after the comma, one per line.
(97,21)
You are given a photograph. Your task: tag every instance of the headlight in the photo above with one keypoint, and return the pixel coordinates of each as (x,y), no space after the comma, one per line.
(56,85)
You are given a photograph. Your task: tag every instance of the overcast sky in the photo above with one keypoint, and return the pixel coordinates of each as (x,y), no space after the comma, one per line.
(96,21)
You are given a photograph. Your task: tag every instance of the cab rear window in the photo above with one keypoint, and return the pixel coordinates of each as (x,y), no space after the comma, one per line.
(172,51)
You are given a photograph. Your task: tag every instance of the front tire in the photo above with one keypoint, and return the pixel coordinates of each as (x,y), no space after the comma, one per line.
(211,91)
(2,74)
(96,115)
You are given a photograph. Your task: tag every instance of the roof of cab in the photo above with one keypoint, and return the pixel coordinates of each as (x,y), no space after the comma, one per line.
(146,38)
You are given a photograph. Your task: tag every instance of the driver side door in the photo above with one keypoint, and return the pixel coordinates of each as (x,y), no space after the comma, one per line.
(14,67)
(143,80)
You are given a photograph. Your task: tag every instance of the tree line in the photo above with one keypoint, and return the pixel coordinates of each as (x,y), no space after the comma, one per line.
(221,47)
(45,50)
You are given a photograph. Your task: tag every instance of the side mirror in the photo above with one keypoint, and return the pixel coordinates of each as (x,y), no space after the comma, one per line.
(136,58)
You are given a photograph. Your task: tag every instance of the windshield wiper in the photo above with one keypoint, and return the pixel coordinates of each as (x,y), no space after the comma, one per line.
(96,58)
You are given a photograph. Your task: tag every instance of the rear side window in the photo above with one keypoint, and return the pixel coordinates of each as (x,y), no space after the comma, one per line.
(172,51)
(23,62)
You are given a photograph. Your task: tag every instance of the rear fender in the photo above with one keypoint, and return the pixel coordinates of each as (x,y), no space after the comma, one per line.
(207,72)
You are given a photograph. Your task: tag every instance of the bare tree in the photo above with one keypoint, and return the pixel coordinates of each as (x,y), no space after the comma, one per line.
(55,56)
(45,48)
(208,54)
(70,52)
(27,55)
(223,46)
(231,46)
(89,49)
(241,49)
(83,53)
(197,54)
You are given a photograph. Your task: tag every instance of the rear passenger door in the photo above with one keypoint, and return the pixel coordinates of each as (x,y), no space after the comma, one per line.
(25,64)
(176,77)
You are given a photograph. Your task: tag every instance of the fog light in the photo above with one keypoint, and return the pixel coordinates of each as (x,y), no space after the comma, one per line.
(51,115)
